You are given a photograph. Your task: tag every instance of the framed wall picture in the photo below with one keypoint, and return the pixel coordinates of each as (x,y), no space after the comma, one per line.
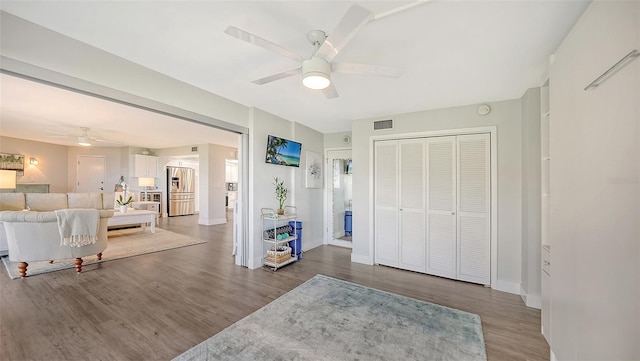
(283,151)
(313,170)
(12,162)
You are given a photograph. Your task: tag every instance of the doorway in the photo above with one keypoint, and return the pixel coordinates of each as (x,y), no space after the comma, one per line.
(339,198)
(91,174)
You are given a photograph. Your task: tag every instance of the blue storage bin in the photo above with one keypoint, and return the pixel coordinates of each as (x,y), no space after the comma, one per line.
(348,215)
(296,229)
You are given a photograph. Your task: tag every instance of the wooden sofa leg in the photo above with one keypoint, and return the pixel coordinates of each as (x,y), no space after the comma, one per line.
(22,269)
(99,256)
(78,265)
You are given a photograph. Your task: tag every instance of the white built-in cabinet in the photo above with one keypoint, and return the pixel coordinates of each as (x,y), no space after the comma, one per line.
(145,166)
(432,206)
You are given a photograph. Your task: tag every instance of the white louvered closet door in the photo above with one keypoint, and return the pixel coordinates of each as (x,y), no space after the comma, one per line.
(386,203)
(474,206)
(441,206)
(412,205)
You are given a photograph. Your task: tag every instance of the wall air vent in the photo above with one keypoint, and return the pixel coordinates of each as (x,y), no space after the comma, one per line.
(383,124)
(194,149)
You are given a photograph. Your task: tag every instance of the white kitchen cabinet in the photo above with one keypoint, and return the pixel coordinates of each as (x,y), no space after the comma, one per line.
(145,166)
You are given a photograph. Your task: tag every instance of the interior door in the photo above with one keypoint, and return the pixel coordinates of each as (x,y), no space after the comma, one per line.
(441,206)
(412,205)
(386,202)
(90,174)
(474,206)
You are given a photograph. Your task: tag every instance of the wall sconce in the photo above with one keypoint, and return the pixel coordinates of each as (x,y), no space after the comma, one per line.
(33,161)
(7,179)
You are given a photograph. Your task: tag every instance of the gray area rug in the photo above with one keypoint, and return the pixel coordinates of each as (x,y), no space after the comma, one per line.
(329,319)
(122,243)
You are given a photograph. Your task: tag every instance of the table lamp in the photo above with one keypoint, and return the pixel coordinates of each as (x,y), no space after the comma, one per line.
(146,183)
(7,179)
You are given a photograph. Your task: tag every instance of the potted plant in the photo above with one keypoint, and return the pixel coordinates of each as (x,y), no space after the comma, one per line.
(124,203)
(281,194)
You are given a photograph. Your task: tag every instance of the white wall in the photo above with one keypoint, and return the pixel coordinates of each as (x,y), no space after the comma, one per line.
(531,178)
(336,140)
(114,165)
(595,188)
(53,165)
(261,176)
(213,191)
(58,163)
(506,116)
(261,179)
(309,200)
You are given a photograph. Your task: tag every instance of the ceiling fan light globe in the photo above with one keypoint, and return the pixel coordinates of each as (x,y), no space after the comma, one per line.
(315,73)
(84,141)
(316,80)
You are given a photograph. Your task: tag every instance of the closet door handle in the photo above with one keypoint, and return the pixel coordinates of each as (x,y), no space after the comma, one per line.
(453,213)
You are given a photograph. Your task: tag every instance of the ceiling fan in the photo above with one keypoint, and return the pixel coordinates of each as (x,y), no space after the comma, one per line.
(316,70)
(83,139)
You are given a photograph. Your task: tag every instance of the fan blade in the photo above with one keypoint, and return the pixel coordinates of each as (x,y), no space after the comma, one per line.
(56,133)
(278,76)
(98,140)
(352,21)
(366,69)
(330,92)
(58,136)
(263,43)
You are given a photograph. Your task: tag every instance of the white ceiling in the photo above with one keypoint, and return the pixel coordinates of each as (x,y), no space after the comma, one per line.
(38,112)
(452,52)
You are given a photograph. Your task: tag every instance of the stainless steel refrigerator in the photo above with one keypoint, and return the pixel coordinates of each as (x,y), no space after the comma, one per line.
(180,193)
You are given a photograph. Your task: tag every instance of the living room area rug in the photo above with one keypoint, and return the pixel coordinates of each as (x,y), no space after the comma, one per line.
(329,319)
(123,243)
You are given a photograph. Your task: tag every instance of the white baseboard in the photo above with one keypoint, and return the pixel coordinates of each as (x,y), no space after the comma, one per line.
(311,245)
(357,258)
(507,286)
(212,222)
(257,263)
(530,300)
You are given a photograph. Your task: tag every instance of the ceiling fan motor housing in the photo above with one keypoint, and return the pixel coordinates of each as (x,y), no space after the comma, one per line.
(315,73)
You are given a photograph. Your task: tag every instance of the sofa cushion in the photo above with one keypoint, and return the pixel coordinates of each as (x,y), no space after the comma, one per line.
(43,202)
(84,200)
(12,202)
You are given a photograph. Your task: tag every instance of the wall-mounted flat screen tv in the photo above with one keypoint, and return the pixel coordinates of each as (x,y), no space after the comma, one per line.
(283,151)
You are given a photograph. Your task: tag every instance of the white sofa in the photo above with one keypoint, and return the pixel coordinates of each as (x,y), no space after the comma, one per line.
(31,228)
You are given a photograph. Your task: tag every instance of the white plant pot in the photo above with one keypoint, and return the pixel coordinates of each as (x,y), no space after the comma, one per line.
(123,209)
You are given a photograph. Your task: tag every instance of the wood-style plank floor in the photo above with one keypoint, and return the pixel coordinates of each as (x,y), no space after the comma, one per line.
(156,306)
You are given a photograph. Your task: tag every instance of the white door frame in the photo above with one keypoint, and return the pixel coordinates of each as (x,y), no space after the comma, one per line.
(493,132)
(241,210)
(330,155)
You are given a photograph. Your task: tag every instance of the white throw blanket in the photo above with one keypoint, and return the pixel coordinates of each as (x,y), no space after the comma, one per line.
(78,227)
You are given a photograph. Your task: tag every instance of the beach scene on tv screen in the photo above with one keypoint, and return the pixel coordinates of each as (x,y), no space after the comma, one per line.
(283,152)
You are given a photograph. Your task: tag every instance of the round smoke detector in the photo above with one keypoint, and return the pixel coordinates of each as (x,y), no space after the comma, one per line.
(484,109)
(346,139)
